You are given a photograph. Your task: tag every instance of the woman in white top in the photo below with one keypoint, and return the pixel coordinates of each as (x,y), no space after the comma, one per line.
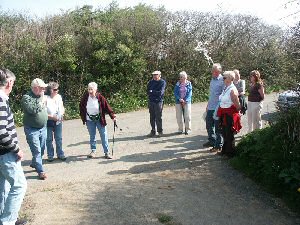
(228,113)
(56,110)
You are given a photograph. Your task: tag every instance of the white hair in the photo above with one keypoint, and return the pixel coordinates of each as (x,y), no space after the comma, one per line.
(229,74)
(93,85)
(183,73)
(217,66)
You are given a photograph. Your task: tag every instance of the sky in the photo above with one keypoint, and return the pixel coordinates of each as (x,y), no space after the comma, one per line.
(284,13)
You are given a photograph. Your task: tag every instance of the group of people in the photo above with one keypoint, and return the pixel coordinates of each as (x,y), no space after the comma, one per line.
(44,111)
(227,103)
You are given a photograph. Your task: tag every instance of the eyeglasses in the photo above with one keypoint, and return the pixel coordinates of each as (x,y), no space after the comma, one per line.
(224,78)
(56,89)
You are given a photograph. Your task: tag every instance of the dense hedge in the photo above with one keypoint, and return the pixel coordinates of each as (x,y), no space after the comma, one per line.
(119,48)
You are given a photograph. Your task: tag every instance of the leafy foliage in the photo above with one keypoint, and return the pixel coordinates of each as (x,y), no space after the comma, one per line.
(119,48)
(272,157)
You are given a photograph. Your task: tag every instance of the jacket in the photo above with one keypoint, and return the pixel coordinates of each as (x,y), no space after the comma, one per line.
(104,108)
(188,96)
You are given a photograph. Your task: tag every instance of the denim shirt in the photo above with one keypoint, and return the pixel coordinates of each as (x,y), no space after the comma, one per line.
(188,96)
(215,90)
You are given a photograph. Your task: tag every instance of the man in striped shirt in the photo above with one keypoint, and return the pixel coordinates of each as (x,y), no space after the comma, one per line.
(12,180)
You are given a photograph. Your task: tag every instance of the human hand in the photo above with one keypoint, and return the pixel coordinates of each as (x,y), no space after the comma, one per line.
(20,155)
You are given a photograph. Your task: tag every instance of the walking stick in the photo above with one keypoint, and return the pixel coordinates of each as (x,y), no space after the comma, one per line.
(115,127)
(182,106)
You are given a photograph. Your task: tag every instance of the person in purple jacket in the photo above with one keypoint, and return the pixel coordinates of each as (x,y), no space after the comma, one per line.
(156,90)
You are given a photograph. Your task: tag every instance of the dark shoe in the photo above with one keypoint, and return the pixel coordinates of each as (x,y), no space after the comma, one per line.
(62,158)
(32,166)
(50,159)
(42,176)
(207,144)
(214,149)
(152,134)
(160,134)
(21,222)
(106,156)
(92,155)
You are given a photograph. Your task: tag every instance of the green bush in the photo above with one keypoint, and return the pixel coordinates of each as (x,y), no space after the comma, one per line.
(271,157)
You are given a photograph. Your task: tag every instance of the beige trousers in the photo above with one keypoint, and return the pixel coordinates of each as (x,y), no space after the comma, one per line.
(187,117)
(254,115)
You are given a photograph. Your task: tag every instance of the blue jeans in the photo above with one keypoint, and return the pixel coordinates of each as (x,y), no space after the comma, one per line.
(36,139)
(91,126)
(57,132)
(13,186)
(213,130)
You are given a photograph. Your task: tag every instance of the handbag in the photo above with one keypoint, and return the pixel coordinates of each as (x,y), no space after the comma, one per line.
(51,123)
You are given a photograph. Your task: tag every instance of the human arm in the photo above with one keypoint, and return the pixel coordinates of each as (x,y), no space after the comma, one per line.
(261,91)
(32,105)
(235,99)
(243,87)
(7,142)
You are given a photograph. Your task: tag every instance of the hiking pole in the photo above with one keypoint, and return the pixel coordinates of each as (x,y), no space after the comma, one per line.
(115,127)
(182,106)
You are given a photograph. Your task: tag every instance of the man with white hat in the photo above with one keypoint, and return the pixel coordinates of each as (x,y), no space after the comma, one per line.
(35,121)
(156,90)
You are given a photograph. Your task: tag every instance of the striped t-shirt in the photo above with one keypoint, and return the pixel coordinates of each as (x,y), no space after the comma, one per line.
(8,134)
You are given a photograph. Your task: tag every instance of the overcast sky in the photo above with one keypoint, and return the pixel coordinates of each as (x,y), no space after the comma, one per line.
(280,12)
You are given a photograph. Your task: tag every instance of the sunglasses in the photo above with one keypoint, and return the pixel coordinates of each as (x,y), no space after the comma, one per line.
(224,78)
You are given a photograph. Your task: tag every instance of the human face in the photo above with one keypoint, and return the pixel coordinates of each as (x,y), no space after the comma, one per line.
(227,80)
(156,76)
(182,79)
(10,84)
(38,90)
(92,91)
(54,91)
(237,77)
(215,73)
(252,79)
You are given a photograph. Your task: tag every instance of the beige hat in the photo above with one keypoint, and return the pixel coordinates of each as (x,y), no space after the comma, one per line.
(37,82)
(157,72)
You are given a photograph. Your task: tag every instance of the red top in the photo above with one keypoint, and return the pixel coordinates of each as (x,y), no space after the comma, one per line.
(232,112)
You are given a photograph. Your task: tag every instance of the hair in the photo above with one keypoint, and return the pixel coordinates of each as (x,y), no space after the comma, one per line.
(51,85)
(256,75)
(93,85)
(237,72)
(217,66)
(5,76)
(183,73)
(229,74)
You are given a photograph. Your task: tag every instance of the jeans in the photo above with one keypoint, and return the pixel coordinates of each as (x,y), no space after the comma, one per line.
(155,110)
(213,130)
(36,139)
(13,186)
(91,126)
(57,131)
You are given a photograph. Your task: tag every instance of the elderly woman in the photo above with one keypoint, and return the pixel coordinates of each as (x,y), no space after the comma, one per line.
(255,101)
(93,107)
(183,100)
(241,87)
(55,110)
(228,113)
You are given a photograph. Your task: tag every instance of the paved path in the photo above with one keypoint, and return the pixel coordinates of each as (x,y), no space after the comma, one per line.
(149,178)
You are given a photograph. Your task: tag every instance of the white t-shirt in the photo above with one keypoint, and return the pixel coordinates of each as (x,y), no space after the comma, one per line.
(225,97)
(92,106)
(55,106)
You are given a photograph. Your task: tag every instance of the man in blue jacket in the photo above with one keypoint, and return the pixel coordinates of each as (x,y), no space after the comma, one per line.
(155,90)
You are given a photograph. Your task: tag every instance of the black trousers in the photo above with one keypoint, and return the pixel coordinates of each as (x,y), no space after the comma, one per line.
(228,147)
(155,110)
